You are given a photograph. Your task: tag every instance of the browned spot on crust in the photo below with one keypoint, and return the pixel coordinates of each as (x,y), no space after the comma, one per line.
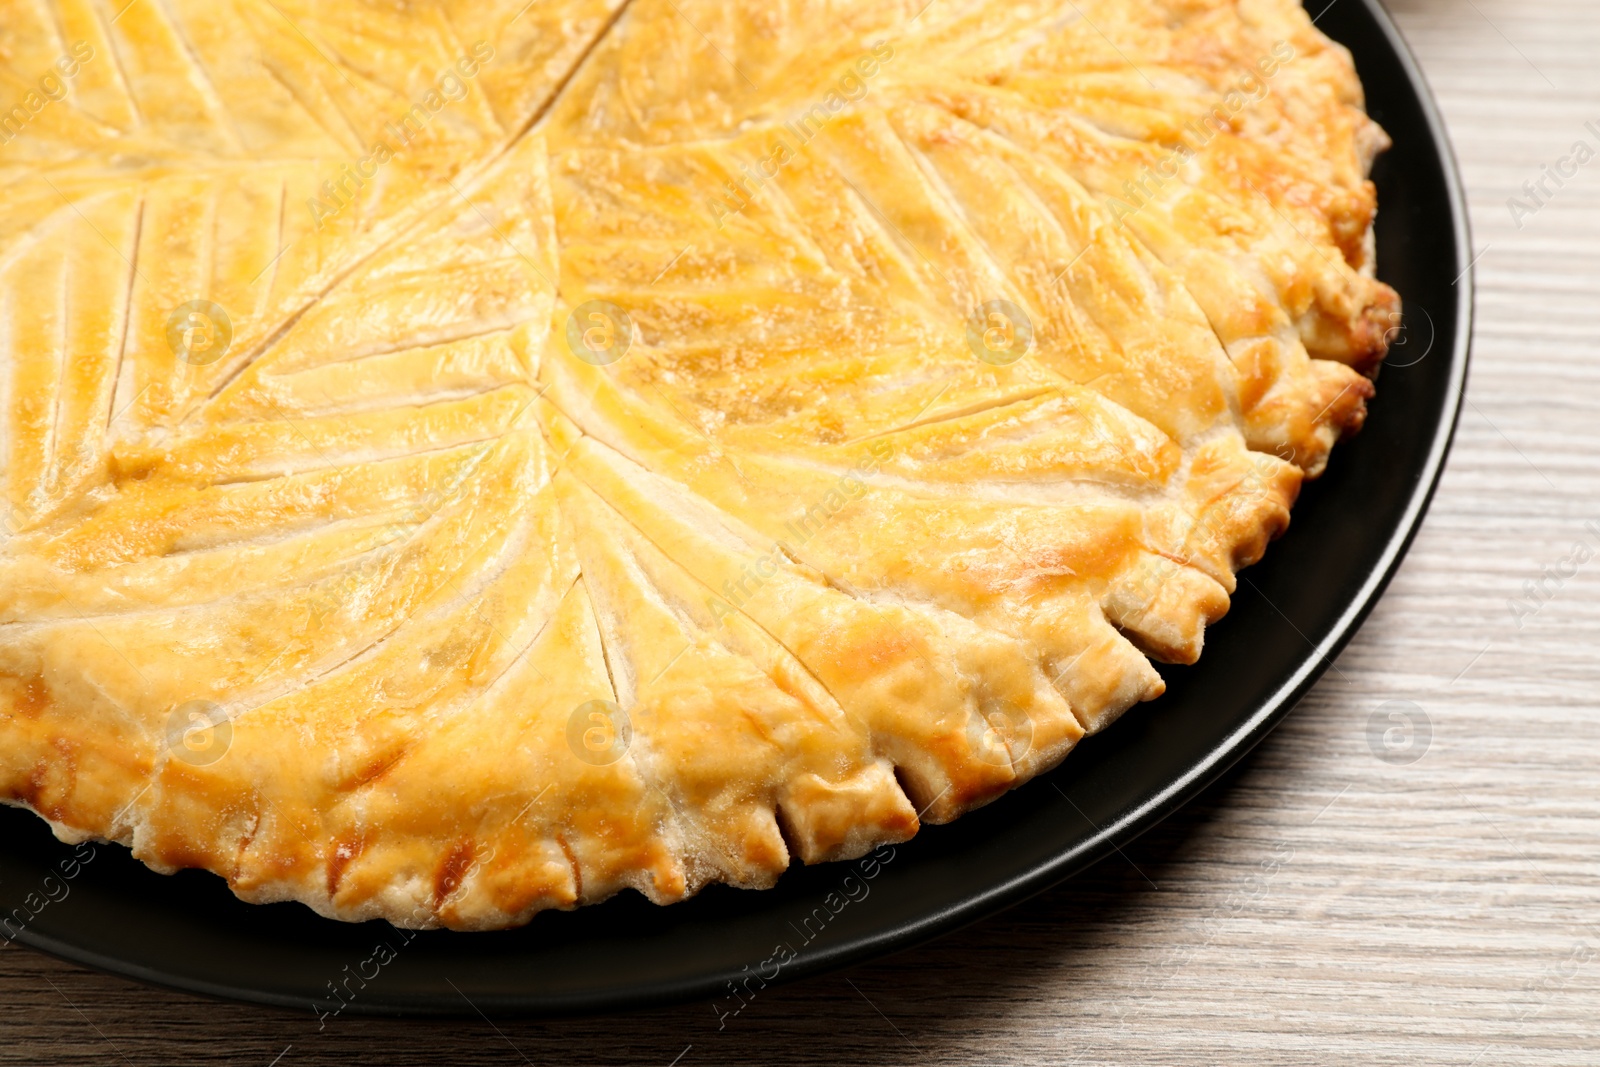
(379,767)
(33,699)
(186,856)
(50,783)
(343,853)
(572,861)
(1349,412)
(451,872)
(243,847)
(1370,333)
(128,466)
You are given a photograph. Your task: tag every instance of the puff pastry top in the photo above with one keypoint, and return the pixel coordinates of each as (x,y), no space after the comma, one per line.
(461,459)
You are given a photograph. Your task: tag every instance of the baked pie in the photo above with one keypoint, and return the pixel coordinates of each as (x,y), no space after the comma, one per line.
(468,458)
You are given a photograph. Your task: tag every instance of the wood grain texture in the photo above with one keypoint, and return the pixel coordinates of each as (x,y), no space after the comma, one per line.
(1320,904)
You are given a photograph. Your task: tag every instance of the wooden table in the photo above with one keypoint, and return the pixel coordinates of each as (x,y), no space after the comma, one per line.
(1443,911)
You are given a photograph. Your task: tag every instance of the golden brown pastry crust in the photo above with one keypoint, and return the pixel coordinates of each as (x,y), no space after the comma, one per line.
(715,434)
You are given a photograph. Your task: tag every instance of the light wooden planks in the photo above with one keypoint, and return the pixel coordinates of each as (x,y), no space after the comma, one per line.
(1442,912)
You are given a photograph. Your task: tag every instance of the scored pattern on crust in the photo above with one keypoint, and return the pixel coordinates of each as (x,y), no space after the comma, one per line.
(462,459)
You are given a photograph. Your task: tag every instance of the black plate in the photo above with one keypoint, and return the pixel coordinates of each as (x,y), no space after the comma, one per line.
(1294,612)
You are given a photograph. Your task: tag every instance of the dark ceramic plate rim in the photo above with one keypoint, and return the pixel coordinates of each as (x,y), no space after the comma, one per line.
(1004,892)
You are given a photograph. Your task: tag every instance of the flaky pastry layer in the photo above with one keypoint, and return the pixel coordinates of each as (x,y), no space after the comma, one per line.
(465,459)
